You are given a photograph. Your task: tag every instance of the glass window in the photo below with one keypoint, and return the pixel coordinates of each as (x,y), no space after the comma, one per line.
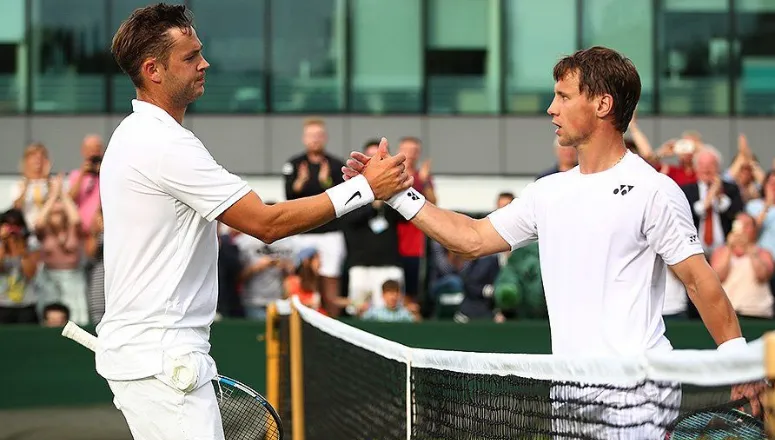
(13,57)
(755,66)
(529,82)
(308,55)
(387,73)
(694,57)
(69,53)
(463,56)
(123,91)
(232,33)
(626,26)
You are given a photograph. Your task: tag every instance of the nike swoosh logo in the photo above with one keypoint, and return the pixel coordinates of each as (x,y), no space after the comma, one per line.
(357,194)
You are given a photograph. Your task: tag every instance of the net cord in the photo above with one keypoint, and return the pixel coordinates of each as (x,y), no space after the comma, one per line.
(706,367)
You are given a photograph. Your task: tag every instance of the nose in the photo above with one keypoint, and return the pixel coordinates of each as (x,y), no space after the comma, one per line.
(205,64)
(552,110)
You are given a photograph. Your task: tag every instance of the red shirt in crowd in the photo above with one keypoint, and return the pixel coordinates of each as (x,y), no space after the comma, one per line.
(411,240)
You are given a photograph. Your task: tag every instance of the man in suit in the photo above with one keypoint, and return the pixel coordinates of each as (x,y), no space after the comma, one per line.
(714,203)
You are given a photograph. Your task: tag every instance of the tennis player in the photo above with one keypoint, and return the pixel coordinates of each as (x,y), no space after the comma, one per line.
(606,229)
(162,193)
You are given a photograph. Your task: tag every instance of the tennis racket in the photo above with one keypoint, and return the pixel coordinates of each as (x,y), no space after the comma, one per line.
(724,422)
(246,415)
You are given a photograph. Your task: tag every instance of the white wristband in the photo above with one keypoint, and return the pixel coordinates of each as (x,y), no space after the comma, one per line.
(408,203)
(350,195)
(733,344)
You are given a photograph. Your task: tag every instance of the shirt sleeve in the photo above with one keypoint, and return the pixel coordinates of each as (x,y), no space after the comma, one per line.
(189,173)
(516,222)
(668,224)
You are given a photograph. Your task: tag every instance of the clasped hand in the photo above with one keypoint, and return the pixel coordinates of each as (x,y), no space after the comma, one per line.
(386,174)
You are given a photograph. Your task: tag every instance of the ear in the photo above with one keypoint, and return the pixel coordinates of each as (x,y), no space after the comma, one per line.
(151,70)
(605,106)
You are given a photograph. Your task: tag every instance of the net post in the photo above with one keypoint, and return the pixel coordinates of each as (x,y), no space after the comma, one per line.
(272,357)
(297,376)
(769,374)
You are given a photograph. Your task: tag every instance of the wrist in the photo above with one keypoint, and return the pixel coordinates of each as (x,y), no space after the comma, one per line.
(351,195)
(408,203)
(733,344)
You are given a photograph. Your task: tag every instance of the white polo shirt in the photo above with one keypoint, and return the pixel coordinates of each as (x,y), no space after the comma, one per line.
(161,190)
(604,239)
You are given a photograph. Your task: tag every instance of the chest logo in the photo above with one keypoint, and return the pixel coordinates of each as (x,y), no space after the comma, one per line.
(623,189)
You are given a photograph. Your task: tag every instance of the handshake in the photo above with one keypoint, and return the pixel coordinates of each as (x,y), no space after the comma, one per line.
(381,177)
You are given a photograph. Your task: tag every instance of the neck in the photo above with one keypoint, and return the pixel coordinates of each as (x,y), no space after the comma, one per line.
(163,103)
(601,152)
(315,157)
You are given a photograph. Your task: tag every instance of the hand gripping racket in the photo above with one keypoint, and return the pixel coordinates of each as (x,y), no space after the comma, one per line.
(246,415)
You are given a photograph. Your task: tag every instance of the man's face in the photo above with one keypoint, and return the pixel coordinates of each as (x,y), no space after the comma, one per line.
(503,201)
(184,76)
(371,150)
(391,298)
(92,150)
(314,138)
(411,150)
(55,318)
(572,112)
(706,167)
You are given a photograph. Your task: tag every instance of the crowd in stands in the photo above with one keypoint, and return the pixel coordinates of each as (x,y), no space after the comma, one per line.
(372,264)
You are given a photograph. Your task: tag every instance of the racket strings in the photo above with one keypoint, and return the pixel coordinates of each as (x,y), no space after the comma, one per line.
(243,416)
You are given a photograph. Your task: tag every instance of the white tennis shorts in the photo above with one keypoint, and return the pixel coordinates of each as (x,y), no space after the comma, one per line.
(155,408)
(366,283)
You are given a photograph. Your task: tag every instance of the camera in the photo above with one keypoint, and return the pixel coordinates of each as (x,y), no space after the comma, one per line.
(95,162)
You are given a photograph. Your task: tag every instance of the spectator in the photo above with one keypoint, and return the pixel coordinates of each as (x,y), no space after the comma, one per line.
(31,192)
(95,269)
(305,282)
(229,273)
(474,278)
(390,308)
(264,268)
(63,277)
(84,182)
(763,210)
(685,148)
(411,241)
(18,265)
(567,159)
(371,233)
(745,269)
(309,174)
(519,281)
(55,315)
(714,203)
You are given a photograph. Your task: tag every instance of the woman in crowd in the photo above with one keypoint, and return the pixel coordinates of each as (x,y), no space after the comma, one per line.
(31,192)
(63,278)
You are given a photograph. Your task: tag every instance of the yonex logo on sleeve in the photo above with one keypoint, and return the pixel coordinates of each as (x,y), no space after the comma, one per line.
(693,238)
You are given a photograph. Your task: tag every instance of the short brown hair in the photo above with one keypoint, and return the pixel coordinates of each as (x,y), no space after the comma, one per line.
(391,286)
(605,71)
(144,35)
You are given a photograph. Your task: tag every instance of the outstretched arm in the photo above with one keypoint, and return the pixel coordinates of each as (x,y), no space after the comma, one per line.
(459,233)
(509,227)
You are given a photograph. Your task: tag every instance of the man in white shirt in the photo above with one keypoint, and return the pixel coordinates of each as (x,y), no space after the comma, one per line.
(161,193)
(607,228)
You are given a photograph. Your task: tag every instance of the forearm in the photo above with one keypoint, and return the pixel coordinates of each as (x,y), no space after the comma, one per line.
(455,232)
(642,143)
(296,216)
(715,309)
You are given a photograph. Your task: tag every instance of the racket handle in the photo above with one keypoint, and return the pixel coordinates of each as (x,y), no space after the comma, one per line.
(79,335)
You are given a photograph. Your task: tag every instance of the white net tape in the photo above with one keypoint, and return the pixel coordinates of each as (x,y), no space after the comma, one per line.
(693,367)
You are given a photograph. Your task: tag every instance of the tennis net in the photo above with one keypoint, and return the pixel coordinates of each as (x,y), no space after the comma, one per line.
(357,385)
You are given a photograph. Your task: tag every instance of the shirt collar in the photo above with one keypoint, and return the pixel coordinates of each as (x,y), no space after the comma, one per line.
(147,108)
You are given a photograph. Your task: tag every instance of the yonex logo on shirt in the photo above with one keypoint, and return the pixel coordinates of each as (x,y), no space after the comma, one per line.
(623,189)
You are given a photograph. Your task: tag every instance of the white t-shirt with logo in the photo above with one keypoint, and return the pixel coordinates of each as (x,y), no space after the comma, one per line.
(161,191)
(604,239)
